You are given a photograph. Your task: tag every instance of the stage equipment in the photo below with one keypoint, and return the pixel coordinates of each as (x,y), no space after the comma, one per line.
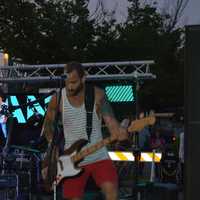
(192,113)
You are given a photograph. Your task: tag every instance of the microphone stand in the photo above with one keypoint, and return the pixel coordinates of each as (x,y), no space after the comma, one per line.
(136,150)
(56,137)
(136,153)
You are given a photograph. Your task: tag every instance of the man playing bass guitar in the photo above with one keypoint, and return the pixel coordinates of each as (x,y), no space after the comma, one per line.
(73,112)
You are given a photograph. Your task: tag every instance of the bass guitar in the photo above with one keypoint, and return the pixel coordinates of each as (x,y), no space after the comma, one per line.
(67,164)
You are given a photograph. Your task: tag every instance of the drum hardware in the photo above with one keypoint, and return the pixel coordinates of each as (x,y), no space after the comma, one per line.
(27,149)
(9,187)
(22,161)
(21,164)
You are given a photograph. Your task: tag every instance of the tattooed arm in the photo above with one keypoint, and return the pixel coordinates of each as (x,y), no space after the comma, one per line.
(48,128)
(106,112)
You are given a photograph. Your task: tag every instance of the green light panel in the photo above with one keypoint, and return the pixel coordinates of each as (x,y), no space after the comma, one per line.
(120,93)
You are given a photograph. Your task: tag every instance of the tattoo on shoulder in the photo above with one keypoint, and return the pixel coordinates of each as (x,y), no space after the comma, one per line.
(105,106)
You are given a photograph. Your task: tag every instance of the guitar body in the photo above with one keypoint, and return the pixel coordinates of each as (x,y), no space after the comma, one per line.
(65,167)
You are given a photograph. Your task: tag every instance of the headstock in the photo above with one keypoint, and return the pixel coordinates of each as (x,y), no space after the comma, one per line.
(139,124)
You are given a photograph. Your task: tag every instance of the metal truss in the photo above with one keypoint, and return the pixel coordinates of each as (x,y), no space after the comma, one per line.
(127,70)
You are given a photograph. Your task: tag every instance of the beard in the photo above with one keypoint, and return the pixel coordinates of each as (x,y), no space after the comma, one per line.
(76,91)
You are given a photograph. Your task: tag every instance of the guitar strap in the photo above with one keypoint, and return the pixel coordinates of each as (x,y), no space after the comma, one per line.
(89,106)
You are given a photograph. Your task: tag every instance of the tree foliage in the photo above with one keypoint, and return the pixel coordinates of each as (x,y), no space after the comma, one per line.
(44,31)
(57,31)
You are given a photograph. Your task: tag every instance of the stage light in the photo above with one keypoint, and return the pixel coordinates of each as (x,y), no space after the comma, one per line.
(18,112)
(35,108)
(23,114)
(120,93)
(4,57)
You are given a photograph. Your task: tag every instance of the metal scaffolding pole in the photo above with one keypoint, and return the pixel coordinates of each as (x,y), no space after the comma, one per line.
(127,70)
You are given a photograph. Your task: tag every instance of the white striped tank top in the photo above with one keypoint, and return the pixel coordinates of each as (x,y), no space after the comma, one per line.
(74,127)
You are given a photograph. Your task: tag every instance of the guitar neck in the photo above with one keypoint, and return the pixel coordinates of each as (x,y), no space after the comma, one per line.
(82,154)
(135,126)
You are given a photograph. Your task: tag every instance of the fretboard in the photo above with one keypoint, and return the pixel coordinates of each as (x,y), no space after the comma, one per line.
(82,154)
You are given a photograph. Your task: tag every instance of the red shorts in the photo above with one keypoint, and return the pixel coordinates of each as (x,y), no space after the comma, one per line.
(101,171)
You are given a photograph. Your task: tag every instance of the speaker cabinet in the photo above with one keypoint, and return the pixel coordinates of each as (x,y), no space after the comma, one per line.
(192,113)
